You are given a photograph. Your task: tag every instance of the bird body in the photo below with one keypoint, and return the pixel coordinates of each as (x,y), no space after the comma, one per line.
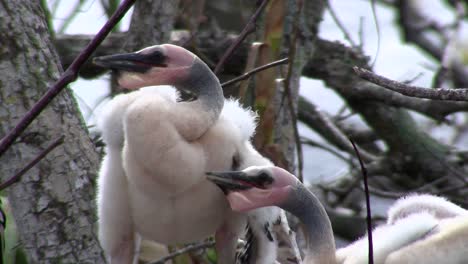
(449,244)
(152,180)
(415,223)
(387,239)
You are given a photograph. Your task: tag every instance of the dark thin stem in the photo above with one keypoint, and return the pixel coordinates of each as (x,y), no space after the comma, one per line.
(186,249)
(255,70)
(15,178)
(366,189)
(249,28)
(340,25)
(67,77)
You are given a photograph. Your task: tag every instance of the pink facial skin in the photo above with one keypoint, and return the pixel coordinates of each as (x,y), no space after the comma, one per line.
(178,63)
(275,194)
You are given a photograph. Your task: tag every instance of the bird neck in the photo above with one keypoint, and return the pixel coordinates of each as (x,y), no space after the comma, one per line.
(317,227)
(202,83)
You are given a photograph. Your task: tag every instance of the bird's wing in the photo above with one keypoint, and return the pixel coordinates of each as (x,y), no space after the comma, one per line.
(116,233)
(388,238)
(449,245)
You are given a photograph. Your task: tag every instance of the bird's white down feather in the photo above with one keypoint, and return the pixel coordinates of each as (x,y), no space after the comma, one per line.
(110,122)
(244,118)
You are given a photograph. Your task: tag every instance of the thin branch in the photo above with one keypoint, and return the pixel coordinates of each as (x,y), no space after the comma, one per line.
(386,194)
(311,116)
(340,25)
(410,90)
(312,143)
(15,178)
(366,188)
(377,28)
(186,249)
(255,70)
(249,28)
(67,77)
(71,16)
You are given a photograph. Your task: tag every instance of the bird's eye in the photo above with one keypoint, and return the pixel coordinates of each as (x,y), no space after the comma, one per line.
(156,57)
(264,179)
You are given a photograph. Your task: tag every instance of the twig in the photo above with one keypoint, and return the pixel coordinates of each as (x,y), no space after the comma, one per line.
(312,143)
(340,25)
(249,28)
(67,77)
(377,28)
(366,188)
(255,70)
(311,116)
(186,249)
(413,91)
(72,14)
(386,194)
(15,178)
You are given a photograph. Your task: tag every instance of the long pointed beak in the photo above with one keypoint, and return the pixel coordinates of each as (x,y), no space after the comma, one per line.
(130,62)
(230,181)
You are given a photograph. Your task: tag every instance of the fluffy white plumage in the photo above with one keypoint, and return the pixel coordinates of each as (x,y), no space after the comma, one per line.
(388,238)
(129,202)
(421,228)
(437,206)
(243,118)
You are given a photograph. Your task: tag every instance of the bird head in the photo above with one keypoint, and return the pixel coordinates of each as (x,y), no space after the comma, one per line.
(156,65)
(254,187)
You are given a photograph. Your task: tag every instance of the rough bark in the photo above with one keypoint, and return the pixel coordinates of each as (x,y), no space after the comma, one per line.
(53,204)
(300,31)
(152,23)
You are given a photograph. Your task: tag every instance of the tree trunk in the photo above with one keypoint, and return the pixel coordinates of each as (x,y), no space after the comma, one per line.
(53,204)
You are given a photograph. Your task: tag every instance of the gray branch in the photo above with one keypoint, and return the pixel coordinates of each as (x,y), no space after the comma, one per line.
(413,91)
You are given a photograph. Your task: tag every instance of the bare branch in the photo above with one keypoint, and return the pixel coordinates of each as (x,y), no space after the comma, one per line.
(313,143)
(420,29)
(340,25)
(413,91)
(67,77)
(186,249)
(321,123)
(255,70)
(249,28)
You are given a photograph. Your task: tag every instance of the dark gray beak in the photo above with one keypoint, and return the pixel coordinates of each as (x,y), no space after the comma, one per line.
(230,181)
(130,62)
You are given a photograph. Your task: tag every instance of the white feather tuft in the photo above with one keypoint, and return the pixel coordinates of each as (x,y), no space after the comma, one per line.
(243,118)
